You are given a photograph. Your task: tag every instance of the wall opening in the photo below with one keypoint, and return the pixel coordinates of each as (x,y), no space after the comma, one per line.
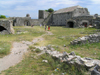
(70,24)
(2,28)
(26,23)
(84,24)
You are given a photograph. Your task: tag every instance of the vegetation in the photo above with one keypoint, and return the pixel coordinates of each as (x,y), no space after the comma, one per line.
(21,33)
(2,16)
(33,65)
(50,10)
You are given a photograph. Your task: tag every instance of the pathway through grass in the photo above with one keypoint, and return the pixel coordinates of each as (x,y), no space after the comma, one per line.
(17,52)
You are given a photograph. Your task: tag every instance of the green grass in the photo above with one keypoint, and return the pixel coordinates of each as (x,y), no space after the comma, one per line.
(33,65)
(4,48)
(26,34)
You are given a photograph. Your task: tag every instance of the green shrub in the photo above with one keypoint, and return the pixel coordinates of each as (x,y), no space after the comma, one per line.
(2,16)
(37,50)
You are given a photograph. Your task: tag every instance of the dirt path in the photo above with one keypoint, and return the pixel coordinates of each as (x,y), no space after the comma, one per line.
(17,52)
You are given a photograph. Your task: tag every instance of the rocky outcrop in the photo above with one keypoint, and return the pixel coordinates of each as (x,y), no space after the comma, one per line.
(72,58)
(86,39)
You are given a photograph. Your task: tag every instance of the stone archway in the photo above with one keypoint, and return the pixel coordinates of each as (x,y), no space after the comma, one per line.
(2,28)
(70,24)
(26,23)
(84,23)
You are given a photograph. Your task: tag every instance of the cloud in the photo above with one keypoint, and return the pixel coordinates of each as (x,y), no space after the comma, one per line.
(22,7)
(96,1)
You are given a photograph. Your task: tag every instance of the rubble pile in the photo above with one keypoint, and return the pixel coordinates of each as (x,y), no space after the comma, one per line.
(86,39)
(72,58)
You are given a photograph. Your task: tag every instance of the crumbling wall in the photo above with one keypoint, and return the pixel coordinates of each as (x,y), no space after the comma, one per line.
(80,12)
(86,39)
(6,27)
(42,14)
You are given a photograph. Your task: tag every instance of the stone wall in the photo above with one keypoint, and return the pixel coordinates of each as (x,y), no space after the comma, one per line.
(61,18)
(36,22)
(80,12)
(77,14)
(43,14)
(26,21)
(80,20)
(86,39)
(6,27)
(97,22)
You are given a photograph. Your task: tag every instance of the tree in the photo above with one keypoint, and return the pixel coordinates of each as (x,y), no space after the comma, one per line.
(50,10)
(2,16)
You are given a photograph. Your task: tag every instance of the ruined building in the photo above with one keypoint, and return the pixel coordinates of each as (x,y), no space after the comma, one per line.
(71,17)
(6,27)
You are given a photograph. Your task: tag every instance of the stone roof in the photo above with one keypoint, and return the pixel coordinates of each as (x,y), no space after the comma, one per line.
(69,9)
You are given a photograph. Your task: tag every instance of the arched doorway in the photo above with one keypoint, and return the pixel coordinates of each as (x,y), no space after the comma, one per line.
(26,23)
(70,24)
(2,28)
(84,24)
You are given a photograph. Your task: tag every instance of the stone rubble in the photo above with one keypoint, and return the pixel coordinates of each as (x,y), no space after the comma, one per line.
(72,58)
(86,39)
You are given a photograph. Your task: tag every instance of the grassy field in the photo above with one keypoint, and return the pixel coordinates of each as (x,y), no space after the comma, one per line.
(33,65)
(21,33)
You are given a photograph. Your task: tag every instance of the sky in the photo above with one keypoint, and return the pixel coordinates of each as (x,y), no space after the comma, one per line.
(19,8)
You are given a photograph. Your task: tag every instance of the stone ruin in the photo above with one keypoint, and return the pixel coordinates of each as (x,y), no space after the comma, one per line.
(6,27)
(93,38)
(92,65)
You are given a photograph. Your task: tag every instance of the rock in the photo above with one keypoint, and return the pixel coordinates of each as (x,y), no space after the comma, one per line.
(48,47)
(46,61)
(52,49)
(72,53)
(88,63)
(64,55)
(96,70)
(62,73)
(64,45)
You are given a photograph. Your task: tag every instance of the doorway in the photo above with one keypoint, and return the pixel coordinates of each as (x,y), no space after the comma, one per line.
(70,24)
(2,28)
(84,24)
(26,23)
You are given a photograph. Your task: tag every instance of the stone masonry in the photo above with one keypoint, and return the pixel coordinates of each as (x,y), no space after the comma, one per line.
(86,39)
(6,27)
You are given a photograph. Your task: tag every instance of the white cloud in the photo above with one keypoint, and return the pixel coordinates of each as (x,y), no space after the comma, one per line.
(30,6)
(10,2)
(24,8)
(96,1)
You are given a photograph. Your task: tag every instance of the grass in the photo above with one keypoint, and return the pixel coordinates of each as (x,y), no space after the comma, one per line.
(4,48)
(21,34)
(33,65)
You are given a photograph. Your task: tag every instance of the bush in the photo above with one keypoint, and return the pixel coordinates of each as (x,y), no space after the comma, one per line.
(38,50)
(49,10)
(2,16)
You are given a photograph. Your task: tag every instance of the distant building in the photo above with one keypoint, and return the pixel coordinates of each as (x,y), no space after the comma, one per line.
(71,17)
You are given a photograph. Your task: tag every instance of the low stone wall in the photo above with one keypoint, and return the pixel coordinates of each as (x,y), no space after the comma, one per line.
(92,65)
(86,39)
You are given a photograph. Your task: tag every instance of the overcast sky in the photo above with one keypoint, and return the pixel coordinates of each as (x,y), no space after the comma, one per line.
(19,8)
